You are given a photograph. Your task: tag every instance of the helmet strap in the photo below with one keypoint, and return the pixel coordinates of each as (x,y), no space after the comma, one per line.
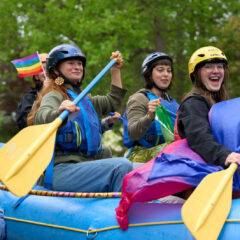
(163,91)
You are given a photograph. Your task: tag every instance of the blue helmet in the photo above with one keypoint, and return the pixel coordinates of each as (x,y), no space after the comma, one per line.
(151,58)
(63,52)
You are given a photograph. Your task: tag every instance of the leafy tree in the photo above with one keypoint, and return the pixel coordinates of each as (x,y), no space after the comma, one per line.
(98,27)
(230,42)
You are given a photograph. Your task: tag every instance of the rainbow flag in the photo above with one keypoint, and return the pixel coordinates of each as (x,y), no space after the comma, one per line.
(28,66)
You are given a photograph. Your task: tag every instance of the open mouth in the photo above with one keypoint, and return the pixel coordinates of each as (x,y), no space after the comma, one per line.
(214,79)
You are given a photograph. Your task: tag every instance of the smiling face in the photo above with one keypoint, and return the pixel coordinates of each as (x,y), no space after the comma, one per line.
(212,75)
(72,69)
(162,76)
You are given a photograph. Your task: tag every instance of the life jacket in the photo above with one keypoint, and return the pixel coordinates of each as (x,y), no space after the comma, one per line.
(82,132)
(154,135)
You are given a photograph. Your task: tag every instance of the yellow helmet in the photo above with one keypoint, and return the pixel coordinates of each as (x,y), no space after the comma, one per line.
(203,55)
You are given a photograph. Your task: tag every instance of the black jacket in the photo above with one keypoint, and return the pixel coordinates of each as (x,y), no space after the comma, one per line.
(25,106)
(193,124)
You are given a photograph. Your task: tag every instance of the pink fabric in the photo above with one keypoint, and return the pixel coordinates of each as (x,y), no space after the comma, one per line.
(136,188)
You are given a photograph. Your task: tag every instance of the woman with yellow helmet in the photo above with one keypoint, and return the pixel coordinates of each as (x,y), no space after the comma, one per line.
(208,72)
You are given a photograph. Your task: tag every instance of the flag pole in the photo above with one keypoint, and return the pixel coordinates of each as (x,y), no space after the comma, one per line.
(42,67)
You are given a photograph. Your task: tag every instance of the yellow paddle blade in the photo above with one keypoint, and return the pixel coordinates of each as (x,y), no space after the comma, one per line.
(25,157)
(205,211)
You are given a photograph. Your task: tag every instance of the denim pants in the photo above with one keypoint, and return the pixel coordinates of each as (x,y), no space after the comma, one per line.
(104,175)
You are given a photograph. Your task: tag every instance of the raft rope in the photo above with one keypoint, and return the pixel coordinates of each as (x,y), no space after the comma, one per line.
(91,230)
(103,229)
(71,194)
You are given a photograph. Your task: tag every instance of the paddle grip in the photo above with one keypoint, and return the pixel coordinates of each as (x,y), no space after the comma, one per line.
(112,114)
(86,90)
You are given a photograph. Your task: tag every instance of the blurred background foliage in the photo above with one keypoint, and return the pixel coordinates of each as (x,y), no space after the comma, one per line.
(136,28)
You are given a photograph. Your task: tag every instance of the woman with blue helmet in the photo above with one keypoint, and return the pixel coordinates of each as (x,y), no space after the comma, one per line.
(140,132)
(80,163)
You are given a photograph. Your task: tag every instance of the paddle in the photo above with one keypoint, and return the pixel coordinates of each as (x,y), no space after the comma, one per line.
(25,157)
(206,210)
(112,114)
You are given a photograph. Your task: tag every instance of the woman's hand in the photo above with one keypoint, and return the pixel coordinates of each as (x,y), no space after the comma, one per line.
(114,118)
(232,158)
(115,71)
(68,105)
(152,108)
(118,57)
(46,82)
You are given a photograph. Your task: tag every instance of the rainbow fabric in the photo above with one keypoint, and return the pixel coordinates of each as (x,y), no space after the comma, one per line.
(28,66)
(177,167)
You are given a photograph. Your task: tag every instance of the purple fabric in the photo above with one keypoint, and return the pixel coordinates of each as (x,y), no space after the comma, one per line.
(191,171)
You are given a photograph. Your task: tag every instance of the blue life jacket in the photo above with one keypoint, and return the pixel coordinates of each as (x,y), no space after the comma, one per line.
(82,132)
(154,134)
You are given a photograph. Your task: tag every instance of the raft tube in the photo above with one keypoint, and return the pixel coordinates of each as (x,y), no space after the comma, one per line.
(47,217)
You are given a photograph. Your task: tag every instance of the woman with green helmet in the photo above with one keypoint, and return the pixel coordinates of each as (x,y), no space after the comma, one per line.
(208,71)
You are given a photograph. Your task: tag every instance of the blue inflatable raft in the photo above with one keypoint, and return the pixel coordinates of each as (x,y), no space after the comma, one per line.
(48,217)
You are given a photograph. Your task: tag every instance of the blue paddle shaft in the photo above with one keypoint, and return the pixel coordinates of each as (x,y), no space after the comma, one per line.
(86,90)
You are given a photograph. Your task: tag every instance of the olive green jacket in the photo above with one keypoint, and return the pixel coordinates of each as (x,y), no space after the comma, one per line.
(137,109)
(50,103)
